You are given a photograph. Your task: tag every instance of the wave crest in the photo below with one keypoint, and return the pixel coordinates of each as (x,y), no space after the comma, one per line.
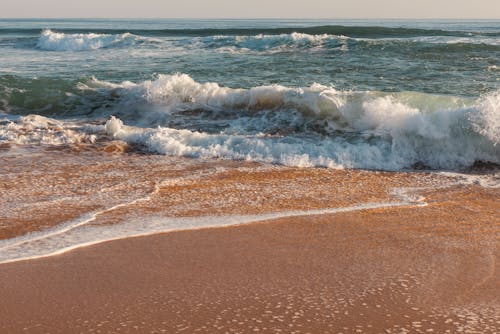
(268,43)
(54,41)
(310,126)
(303,126)
(39,130)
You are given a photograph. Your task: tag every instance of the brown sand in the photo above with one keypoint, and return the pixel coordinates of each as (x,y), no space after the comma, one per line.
(45,188)
(398,270)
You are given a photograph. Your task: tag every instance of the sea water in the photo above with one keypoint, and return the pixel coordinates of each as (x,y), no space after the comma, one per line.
(388,95)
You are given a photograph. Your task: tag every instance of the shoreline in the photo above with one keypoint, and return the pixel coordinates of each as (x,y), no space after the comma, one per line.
(234,221)
(422,257)
(367,271)
(112,196)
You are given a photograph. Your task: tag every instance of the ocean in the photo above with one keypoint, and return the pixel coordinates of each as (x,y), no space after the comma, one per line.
(364,94)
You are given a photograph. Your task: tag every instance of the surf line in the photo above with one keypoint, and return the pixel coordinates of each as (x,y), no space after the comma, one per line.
(61,229)
(61,241)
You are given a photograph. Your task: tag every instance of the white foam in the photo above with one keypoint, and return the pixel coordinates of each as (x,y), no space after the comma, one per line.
(363,129)
(488,121)
(181,91)
(305,126)
(54,41)
(36,129)
(485,180)
(80,234)
(287,151)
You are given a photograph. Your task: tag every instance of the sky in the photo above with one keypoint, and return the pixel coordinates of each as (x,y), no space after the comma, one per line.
(462,9)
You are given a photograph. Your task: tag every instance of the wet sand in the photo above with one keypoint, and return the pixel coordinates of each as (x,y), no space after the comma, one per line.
(408,269)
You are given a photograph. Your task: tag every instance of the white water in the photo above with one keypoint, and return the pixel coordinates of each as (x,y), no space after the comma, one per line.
(54,41)
(39,130)
(308,126)
(364,129)
(261,43)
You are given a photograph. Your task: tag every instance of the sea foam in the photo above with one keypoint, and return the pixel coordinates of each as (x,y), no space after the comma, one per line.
(310,126)
(54,41)
(81,233)
(36,129)
(296,126)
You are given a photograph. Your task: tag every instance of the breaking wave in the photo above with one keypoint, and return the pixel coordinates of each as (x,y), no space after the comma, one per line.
(365,31)
(56,41)
(309,126)
(39,130)
(262,40)
(306,126)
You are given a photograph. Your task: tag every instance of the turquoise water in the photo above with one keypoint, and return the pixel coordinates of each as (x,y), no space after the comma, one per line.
(362,94)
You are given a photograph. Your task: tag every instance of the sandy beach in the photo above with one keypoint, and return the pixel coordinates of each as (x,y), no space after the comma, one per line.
(429,264)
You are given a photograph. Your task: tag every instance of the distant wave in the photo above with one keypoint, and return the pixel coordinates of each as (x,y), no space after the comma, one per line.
(487,40)
(351,31)
(56,41)
(264,40)
(266,43)
(300,41)
(281,42)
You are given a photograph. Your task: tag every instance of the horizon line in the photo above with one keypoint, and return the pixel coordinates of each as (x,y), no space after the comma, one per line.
(248,18)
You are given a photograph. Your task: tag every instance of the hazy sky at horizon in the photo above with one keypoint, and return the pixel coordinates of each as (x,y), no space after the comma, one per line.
(251,8)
